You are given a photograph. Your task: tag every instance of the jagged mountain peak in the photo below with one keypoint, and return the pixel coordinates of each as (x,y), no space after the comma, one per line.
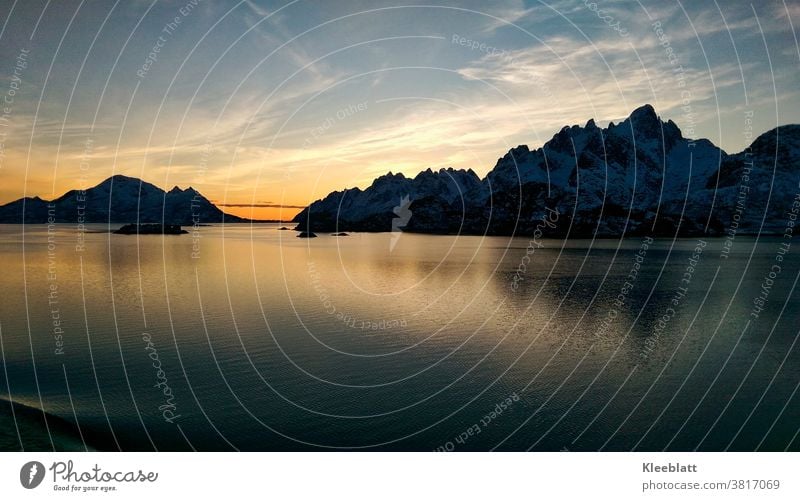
(391,175)
(388,179)
(643,121)
(645,125)
(640,175)
(673,129)
(425,173)
(646,112)
(516,152)
(119,199)
(446,172)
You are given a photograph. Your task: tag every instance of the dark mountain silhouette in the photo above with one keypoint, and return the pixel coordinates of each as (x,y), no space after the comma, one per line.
(119,199)
(640,176)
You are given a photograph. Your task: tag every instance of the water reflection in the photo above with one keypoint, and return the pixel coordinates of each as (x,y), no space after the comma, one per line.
(274,342)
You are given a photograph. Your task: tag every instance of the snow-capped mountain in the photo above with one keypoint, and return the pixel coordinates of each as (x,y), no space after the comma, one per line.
(373,209)
(118,199)
(640,176)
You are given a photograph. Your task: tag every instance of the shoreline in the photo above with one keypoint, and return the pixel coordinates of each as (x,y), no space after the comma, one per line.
(30,429)
(328,232)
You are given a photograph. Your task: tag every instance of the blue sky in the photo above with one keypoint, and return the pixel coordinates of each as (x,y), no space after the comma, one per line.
(272,103)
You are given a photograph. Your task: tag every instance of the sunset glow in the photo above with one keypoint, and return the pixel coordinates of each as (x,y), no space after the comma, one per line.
(277,105)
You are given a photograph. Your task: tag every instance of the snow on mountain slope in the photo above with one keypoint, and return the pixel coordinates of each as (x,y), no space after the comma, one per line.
(373,208)
(638,176)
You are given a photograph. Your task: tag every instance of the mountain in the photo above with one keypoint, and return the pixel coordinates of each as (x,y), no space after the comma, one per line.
(373,209)
(640,176)
(119,199)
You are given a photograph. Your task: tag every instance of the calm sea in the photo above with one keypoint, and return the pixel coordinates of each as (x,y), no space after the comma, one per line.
(246,337)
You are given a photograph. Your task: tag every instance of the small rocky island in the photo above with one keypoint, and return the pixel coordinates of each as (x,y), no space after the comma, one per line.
(307,234)
(151,229)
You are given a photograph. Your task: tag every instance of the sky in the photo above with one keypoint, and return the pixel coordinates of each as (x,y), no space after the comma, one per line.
(265,107)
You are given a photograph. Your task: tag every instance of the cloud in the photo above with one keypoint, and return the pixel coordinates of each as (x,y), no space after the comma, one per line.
(604,79)
(506,15)
(787,11)
(466,113)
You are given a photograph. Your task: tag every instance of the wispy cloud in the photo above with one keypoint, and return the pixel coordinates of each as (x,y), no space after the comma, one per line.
(604,79)
(240,141)
(504,15)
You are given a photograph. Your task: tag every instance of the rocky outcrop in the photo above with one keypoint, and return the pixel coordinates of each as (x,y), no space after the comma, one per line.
(640,176)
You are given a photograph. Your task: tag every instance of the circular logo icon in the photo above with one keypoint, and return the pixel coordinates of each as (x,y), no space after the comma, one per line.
(31,474)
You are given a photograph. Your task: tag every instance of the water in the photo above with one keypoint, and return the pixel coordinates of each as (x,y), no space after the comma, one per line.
(394,341)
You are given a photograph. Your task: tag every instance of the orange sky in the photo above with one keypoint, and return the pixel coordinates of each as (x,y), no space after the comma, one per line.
(271,213)
(254,131)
